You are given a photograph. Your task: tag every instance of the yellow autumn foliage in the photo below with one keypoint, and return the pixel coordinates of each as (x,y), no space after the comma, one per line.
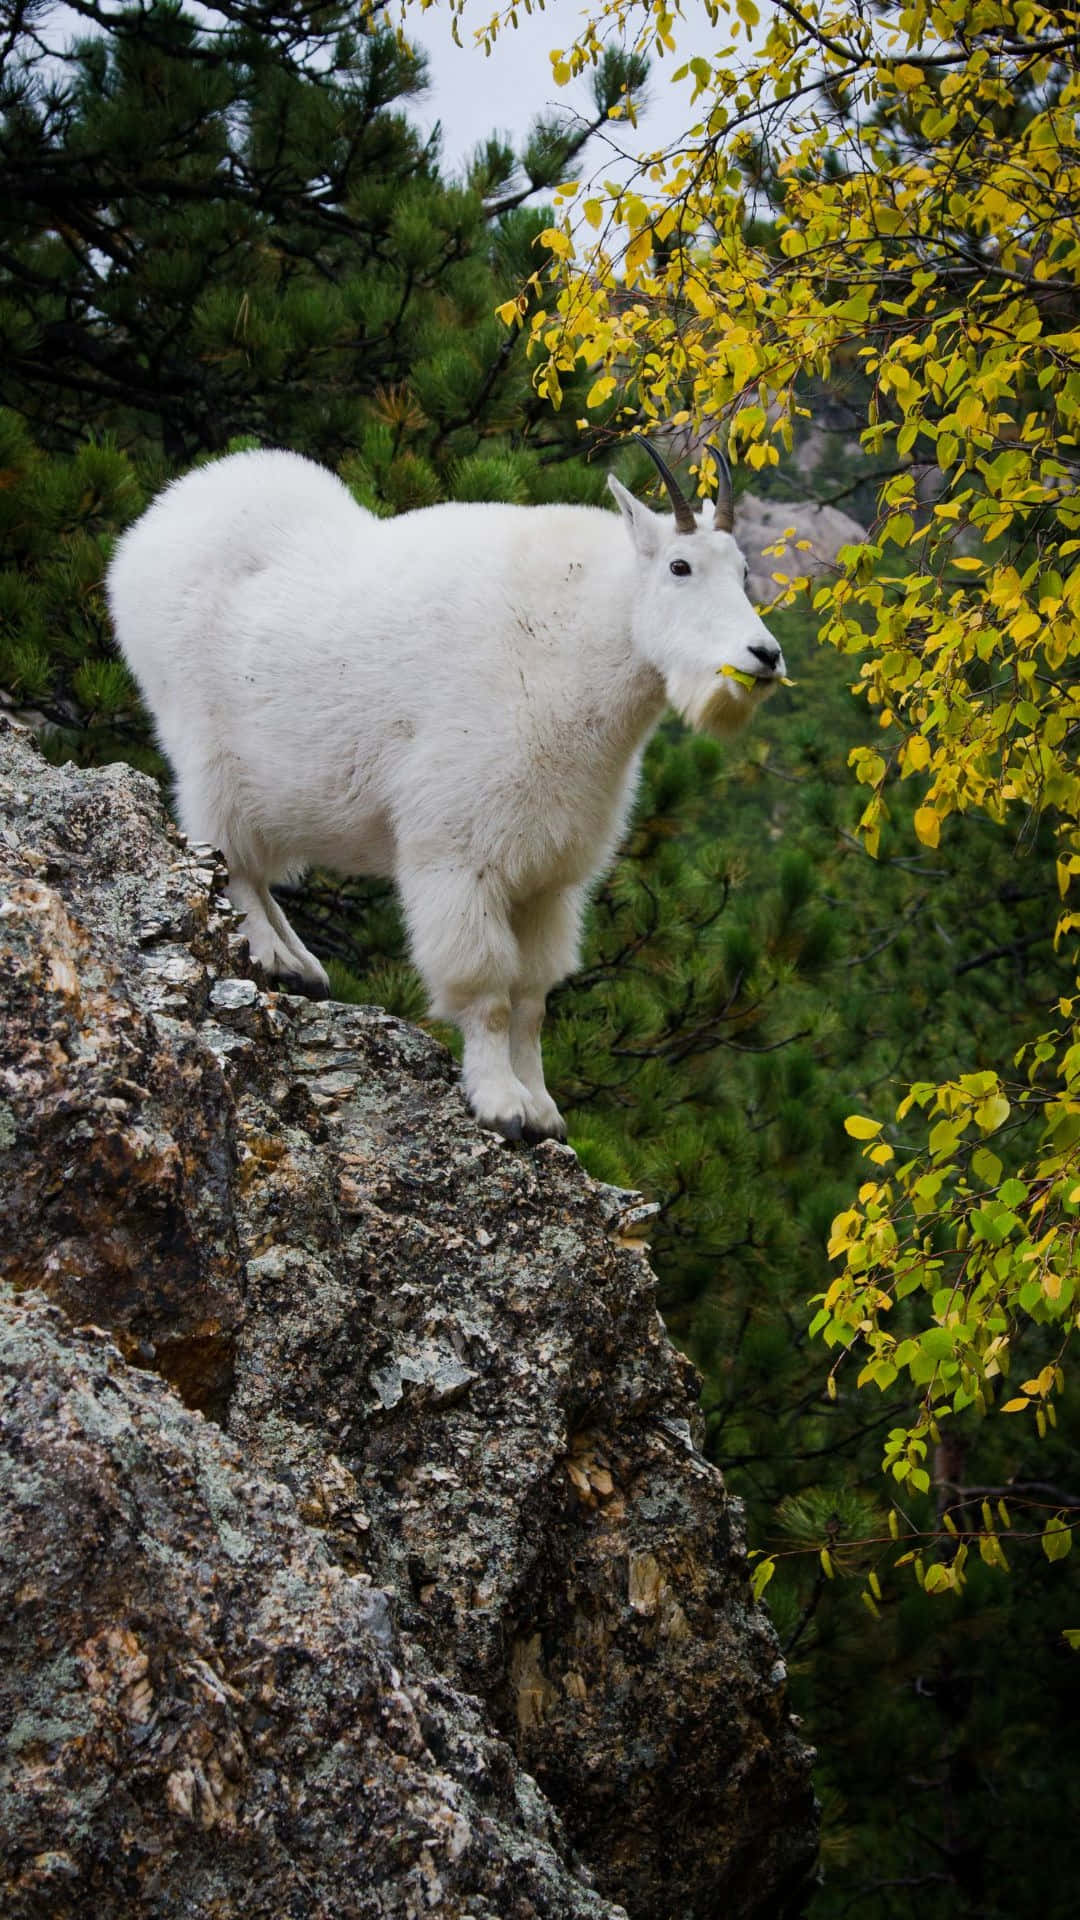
(929,232)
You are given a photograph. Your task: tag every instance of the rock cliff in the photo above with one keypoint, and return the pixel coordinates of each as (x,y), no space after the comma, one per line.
(783,539)
(356,1557)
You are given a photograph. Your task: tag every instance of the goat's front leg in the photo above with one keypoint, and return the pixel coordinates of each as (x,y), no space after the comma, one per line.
(543,1119)
(547,929)
(465,947)
(494,1092)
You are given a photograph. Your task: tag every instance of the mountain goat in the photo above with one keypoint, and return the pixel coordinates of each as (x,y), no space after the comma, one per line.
(457,698)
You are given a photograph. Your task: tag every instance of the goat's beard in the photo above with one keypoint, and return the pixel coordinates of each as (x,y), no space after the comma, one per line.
(715,703)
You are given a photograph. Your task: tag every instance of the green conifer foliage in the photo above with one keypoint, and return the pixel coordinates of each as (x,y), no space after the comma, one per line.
(58,515)
(229,227)
(190,218)
(224,233)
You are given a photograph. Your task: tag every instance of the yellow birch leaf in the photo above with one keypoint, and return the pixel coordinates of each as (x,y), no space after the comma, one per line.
(638,251)
(992,1112)
(555,241)
(928,826)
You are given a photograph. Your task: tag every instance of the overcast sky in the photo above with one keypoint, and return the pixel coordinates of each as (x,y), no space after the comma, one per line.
(473,96)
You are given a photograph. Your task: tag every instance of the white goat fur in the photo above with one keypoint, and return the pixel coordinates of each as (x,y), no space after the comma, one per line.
(457,698)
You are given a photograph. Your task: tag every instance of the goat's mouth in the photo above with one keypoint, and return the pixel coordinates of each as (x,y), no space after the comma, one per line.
(724,701)
(753,681)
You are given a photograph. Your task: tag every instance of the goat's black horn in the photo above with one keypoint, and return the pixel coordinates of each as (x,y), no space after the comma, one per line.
(724,518)
(685,518)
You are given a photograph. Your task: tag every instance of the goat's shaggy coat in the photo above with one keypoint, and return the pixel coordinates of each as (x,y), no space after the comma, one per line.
(457,698)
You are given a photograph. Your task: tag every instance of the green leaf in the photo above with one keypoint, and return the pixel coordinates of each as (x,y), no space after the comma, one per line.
(1057,1537)
(938,1342)
(760,1577)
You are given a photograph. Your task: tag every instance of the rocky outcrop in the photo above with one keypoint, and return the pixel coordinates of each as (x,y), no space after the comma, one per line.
(785,539)
(203,1713)
(357,1555)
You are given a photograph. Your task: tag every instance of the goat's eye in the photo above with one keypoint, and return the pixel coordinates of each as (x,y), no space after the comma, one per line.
(680,566)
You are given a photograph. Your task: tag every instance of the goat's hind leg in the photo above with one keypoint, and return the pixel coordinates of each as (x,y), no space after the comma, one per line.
(272,943)
(207,812)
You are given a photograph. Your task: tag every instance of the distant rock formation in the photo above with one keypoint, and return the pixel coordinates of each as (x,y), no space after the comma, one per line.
(356,1557)
(808,536)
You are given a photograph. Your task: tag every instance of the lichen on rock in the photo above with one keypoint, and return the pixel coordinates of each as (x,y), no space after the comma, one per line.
(376,1395)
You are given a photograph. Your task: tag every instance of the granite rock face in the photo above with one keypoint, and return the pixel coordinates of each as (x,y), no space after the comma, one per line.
(788,538)
(345,1453)
(203,1713)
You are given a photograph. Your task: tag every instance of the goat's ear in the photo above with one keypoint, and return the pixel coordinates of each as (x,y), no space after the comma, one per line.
(643,524)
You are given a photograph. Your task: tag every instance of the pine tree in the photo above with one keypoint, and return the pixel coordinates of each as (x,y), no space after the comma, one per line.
(213,230)
(59,515)
(227,233)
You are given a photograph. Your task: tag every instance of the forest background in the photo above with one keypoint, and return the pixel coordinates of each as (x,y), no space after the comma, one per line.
(229,232)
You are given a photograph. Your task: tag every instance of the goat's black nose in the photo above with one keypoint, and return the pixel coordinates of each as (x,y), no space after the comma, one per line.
(769,657)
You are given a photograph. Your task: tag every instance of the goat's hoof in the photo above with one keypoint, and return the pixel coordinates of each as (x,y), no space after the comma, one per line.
(534,1135)
(297,983)
(510,1129)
